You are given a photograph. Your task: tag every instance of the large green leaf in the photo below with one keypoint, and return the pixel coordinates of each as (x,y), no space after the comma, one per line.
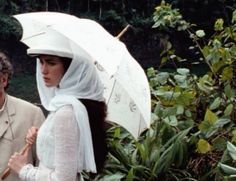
(208,125)
(203,146)
(227,74)
(229,92)
(228,110)
(205,84)
(216,103)
(183,71)
(162,77)
(219,24)
(210,117)
(130,176)
(227,169)
(113,177)
(186,98)
(232,150)
(171,120)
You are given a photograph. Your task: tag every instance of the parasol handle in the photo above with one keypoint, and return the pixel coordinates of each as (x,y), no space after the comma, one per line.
(7,171)
(123,31)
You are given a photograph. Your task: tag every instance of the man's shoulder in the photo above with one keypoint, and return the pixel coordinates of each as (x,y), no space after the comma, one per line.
(20,102)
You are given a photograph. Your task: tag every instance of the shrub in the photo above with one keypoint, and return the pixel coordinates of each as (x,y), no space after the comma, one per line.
(193,114)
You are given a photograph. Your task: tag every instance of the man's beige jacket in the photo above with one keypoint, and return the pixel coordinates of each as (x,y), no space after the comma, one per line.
(15,120)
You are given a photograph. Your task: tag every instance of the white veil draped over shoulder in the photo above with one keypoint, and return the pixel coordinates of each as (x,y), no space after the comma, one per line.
(80,81)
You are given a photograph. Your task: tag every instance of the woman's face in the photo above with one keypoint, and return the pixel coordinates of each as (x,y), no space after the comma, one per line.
(52,69)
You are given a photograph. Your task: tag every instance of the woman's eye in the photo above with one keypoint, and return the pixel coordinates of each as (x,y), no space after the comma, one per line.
(51,63)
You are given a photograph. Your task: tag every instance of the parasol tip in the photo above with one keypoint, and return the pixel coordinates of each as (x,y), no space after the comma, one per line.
(123,31)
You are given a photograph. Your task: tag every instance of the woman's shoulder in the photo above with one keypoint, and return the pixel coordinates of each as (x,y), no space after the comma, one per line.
(65,112)
(64,120)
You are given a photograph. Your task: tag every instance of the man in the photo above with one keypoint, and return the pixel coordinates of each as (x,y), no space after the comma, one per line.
(16,117)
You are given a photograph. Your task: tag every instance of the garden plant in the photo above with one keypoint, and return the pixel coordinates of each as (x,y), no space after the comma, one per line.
(193,130)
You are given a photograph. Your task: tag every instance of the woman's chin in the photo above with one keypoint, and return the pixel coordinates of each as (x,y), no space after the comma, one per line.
(49,85)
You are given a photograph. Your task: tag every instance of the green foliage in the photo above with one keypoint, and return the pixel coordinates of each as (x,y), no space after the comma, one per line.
(193,116)
(10,29)
(203,146)
(112,15)
(8,7)
(24,86)
(229,169)
(165,16)
(146,158)
(212,102)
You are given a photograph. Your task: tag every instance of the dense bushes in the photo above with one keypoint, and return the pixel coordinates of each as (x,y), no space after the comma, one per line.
(193,114)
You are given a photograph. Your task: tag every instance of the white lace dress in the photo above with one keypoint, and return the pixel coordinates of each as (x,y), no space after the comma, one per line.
(57,147)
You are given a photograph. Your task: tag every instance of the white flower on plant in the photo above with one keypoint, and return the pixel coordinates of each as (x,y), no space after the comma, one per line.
(200,33)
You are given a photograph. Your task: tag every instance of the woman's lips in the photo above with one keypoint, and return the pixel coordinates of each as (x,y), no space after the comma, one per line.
(46,79)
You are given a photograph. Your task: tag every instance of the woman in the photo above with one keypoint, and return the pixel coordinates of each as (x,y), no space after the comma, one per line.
(71,90)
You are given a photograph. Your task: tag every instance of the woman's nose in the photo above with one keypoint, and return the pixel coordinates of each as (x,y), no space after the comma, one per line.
(44,69)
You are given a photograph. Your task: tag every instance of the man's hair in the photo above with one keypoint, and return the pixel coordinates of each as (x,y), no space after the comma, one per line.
(5,64)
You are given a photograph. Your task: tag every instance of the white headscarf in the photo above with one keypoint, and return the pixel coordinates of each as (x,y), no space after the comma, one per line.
(80,81)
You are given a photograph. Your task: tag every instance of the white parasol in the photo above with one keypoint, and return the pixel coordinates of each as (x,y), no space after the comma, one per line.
(126,87)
